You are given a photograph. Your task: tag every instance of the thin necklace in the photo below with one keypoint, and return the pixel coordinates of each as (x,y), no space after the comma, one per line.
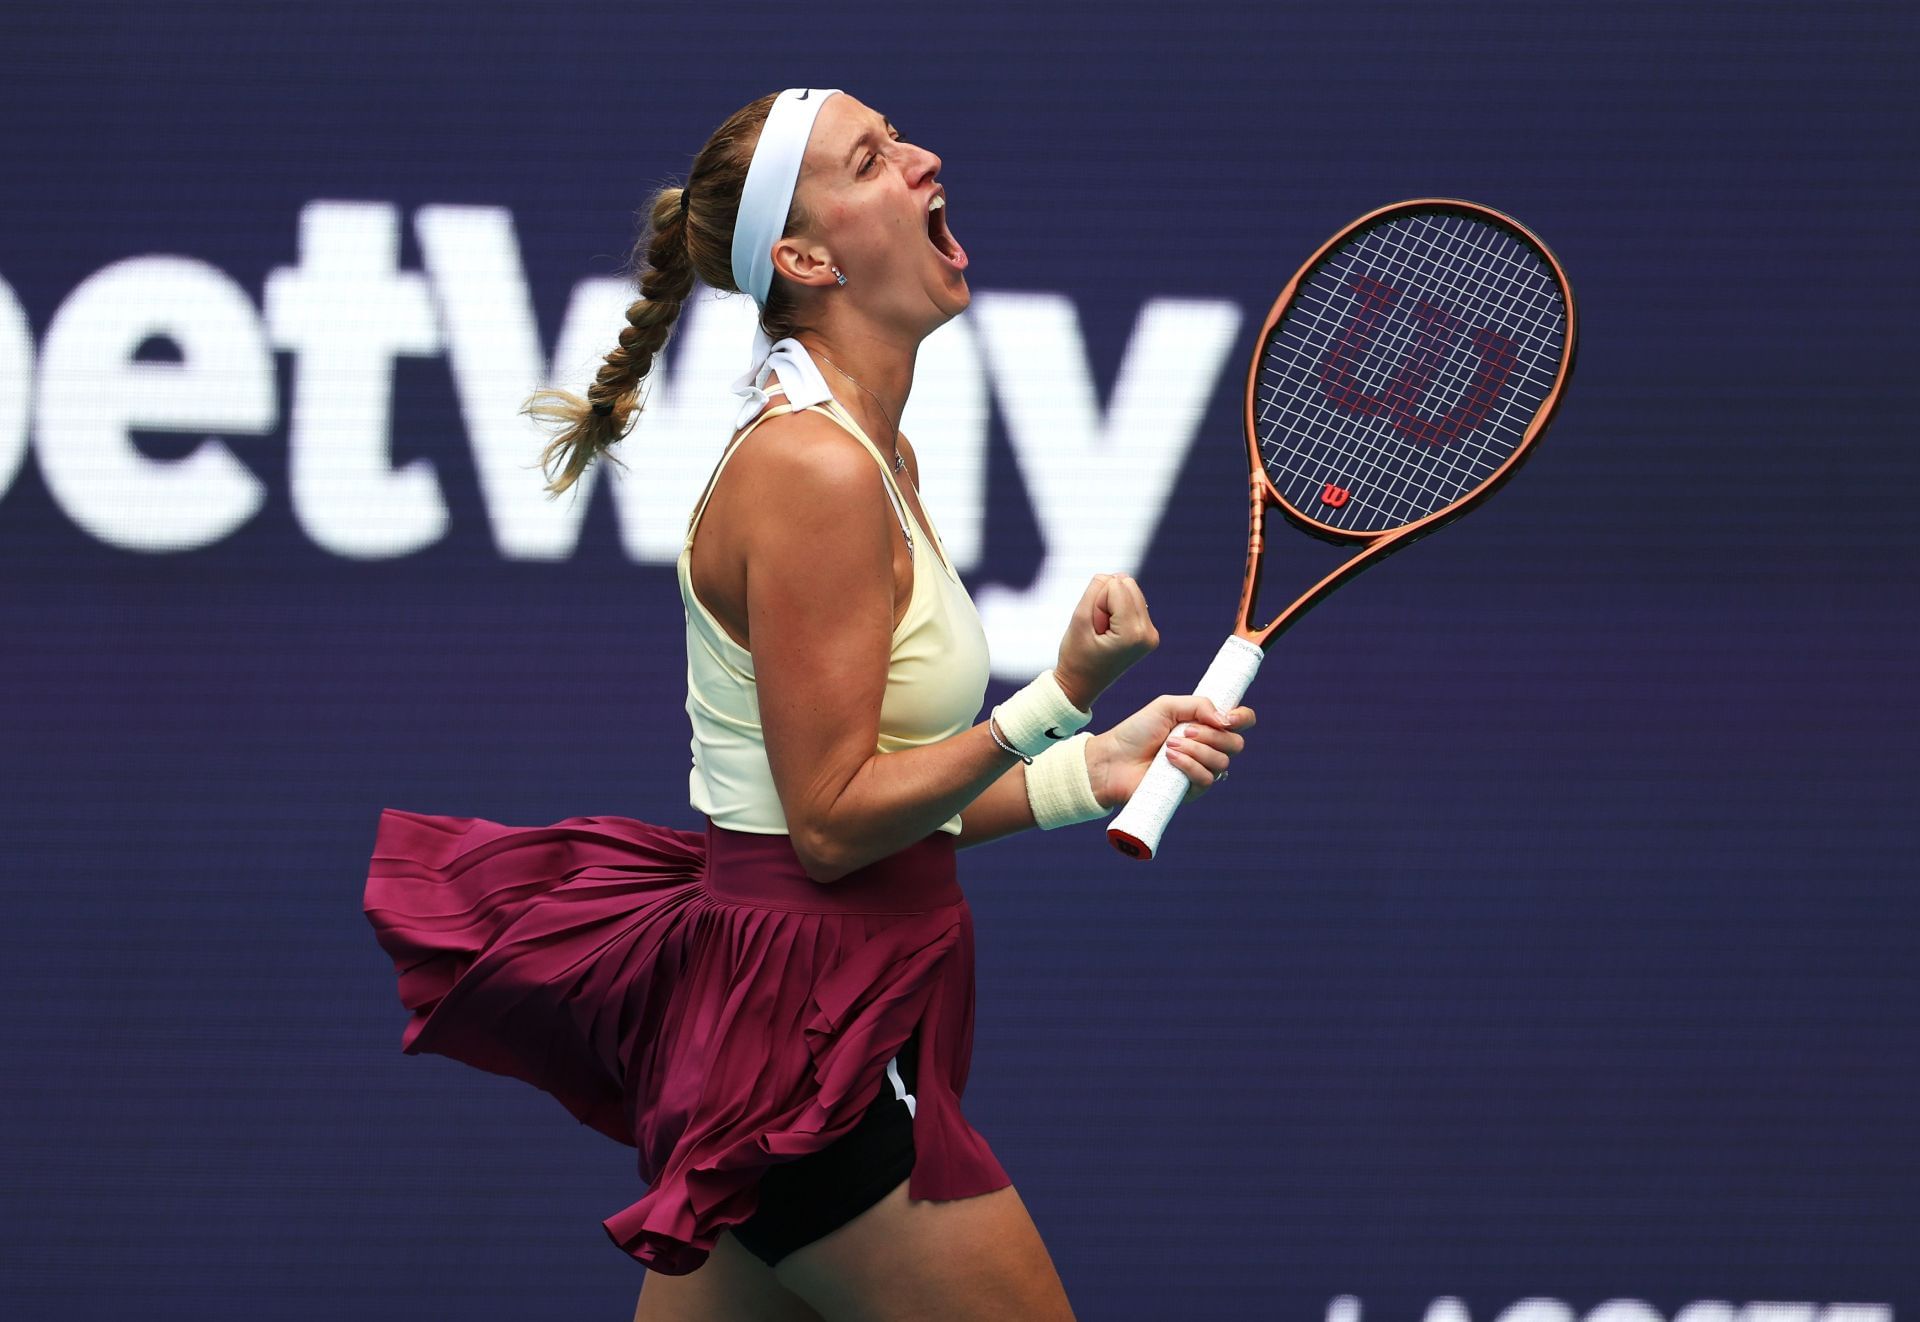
(899,463)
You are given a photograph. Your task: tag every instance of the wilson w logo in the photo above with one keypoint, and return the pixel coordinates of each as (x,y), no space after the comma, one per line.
(1435,332)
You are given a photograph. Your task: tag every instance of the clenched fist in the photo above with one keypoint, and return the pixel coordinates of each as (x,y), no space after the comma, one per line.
(1110,631)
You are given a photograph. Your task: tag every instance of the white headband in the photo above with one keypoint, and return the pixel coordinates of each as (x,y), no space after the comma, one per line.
(765,199)
(768,194)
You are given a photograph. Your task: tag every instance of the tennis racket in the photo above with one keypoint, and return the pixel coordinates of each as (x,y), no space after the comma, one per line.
(1400,378)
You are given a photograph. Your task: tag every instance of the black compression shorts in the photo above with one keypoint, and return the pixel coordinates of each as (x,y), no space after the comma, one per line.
(811,1196)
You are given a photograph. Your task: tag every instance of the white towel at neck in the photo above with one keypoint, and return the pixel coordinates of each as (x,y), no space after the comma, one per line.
(803,381)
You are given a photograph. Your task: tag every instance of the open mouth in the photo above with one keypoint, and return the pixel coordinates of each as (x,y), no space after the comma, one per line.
(941,238)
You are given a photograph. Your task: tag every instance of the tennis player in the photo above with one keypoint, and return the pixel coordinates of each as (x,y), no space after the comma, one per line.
(777,1011)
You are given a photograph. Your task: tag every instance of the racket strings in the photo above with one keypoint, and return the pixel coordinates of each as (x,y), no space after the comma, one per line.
(1407,369)
(1409,490)
(1417,345)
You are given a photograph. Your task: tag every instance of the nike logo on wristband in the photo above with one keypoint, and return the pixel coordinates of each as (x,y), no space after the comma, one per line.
(1053,732)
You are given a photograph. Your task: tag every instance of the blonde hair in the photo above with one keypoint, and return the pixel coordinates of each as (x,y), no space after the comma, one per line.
(676,245)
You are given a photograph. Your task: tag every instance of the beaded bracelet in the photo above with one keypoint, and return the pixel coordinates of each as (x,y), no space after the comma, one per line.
(993,732)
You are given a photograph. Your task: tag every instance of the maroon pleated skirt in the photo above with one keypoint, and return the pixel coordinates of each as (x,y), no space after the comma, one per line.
(697,997)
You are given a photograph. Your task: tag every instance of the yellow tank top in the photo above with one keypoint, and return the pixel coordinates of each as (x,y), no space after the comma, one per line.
(936,673)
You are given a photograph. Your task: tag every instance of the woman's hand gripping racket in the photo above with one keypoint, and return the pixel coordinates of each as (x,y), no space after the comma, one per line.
(1401,376)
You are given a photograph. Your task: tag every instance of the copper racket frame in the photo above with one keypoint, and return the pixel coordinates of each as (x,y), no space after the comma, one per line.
(1378,545)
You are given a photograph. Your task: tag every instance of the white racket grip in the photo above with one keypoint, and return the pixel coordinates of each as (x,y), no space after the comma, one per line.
(1137,830)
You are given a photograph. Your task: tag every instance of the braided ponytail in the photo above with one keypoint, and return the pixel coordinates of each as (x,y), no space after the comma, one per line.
(591,425)
(689,233)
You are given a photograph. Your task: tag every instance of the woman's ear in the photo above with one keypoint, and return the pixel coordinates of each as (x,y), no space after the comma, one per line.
(803,263)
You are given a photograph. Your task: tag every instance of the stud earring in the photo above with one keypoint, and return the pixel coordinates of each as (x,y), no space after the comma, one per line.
(838,274)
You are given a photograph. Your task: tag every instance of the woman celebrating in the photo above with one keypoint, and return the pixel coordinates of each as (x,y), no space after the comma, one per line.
(777,1012)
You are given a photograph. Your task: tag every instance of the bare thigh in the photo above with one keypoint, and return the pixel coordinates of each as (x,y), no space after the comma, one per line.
(966,1260)
(731,1284)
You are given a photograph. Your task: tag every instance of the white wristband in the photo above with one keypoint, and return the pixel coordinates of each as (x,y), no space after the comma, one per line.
(1039,716)
(1059,786)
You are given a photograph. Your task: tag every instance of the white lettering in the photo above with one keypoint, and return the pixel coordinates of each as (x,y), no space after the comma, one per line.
(1624,1310)
(1706,1310)
(1776,1311)
(487,322)
(1537,1310)
(346,312)
(16,385)
(1098,478)
(1343,1308)
(93,394)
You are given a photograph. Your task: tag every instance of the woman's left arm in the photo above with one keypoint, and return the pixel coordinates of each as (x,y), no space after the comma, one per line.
(1000,811)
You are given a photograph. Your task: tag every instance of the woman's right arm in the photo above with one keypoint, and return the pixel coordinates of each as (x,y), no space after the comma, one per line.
(819,569)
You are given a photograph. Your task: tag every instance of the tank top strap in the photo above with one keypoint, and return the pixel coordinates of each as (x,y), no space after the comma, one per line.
(835,410)
(923,521)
